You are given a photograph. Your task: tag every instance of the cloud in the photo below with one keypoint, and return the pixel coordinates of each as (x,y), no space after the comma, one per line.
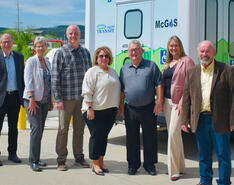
(42,12)
(8,4)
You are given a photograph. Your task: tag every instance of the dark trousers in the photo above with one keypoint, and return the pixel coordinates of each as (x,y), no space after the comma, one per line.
(37,123)
(144,117)
(207,139)
(11,107)
(99,129)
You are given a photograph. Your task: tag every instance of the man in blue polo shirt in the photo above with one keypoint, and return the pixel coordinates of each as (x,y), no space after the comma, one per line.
(140,82)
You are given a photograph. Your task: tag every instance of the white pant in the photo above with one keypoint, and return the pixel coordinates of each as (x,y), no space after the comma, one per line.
(175,149)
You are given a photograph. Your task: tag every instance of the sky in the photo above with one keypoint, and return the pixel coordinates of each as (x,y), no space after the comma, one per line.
(42,13)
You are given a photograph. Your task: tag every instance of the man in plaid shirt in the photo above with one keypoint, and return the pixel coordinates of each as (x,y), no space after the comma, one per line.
(69,66)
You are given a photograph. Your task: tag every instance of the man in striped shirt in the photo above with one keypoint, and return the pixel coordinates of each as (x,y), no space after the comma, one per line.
(69,66)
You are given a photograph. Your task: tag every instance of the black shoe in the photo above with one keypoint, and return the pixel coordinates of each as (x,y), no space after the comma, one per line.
(151,171)
(82,162)
(14,158)
(105,170)
(35,167)
(1,163)
(41,163)
(132,171)
(98,173)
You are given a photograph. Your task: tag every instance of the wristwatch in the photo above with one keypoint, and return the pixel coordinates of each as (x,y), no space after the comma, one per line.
(90,107)
(31,96)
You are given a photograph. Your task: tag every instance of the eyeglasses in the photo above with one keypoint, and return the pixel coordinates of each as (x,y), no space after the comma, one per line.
(6,42)
(102,56)
(134,50)
(42,46)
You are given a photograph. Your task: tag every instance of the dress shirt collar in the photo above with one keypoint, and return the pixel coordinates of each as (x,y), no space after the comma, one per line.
(141,64)
(209,68)
(72,49)
(4,54)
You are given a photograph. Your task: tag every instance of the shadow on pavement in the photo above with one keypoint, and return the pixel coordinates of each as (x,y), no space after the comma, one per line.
(189,140)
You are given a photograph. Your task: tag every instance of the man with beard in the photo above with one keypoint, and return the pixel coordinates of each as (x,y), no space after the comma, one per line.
(208,109)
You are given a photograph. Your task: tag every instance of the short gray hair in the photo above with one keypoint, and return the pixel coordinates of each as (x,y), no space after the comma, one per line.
(135,42)
(206,41)
(6,34)
(40,39)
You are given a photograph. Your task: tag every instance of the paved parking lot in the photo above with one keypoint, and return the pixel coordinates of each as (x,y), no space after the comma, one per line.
(11,174)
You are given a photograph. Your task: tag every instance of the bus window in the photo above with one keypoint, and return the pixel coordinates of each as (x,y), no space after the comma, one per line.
(211,20)
(231,28)
(133,20)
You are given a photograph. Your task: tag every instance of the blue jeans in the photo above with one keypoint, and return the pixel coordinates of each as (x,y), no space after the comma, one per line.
(207,138)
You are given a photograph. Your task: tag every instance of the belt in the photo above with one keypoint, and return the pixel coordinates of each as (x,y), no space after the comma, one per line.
(11,92)
(141,107)
(206,113)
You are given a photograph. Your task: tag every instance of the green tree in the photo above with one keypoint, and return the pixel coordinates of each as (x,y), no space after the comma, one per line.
(52,35)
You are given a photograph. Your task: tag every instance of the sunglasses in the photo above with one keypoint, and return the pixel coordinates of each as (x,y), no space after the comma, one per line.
(102,56)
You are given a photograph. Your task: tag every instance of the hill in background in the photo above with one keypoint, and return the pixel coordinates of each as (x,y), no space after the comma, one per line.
(2,29)
(59,31)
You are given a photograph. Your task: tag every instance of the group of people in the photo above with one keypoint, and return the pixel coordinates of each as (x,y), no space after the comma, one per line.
(196,98)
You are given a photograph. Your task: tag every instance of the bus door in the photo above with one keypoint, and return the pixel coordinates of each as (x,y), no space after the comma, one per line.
(133,22)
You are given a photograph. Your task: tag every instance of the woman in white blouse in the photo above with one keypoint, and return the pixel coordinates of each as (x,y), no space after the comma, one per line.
(101,92)
(37,99)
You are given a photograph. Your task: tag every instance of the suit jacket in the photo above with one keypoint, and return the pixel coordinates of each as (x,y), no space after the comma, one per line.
(19,68)
(221,97)
(178,79)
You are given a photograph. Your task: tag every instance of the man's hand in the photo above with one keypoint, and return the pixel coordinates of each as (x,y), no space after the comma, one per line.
(121,111)
(159,102)
(51,106)
(121,105)
(231,127)
(185,128)
(158,109)
(60,105)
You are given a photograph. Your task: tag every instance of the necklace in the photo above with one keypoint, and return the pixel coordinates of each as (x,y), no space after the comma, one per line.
(174,62)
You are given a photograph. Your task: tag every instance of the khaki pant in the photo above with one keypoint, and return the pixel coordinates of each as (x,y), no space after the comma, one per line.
(175,149)
(71,108)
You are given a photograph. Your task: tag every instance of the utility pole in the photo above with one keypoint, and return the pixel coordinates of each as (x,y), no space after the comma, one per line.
(18,18)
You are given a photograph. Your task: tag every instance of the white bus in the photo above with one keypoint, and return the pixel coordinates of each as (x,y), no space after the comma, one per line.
(115,23)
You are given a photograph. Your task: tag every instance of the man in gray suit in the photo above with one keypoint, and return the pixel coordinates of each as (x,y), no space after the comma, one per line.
(208,109)
(11,91)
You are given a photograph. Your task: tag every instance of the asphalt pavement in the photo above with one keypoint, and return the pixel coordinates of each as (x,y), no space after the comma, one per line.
(115,160)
